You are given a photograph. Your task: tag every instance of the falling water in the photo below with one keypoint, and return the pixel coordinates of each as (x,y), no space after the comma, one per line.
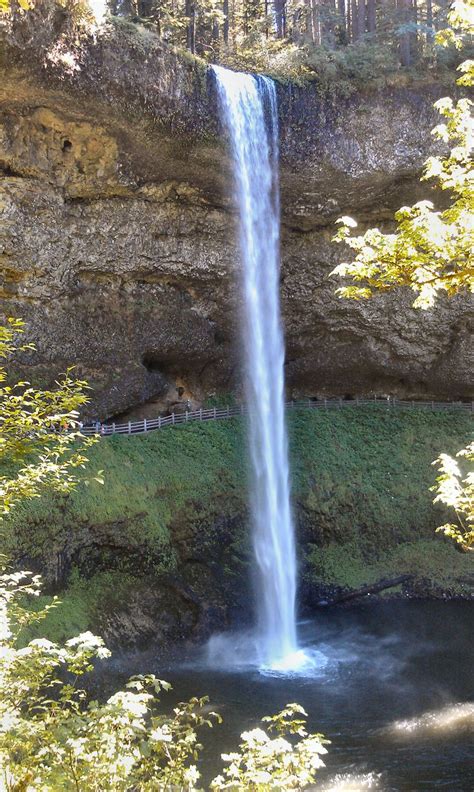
(246,102)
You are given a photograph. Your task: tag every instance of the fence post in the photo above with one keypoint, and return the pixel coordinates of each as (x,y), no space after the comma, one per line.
(113,428)
(186,416)
(325,403)
(357,401)
(129,428)
(144,425)
(200,414)
(172,417)
(159,422)
(214,413)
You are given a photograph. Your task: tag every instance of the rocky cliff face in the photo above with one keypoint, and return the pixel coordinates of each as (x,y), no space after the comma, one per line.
(118,242)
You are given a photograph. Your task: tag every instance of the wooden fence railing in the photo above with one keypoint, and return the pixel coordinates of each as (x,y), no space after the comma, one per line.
(219,413)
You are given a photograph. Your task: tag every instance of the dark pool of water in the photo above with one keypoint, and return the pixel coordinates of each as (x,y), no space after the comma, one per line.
(385,662)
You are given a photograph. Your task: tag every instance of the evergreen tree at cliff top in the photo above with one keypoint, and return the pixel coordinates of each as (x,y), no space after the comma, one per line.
(340,43)
(326,39)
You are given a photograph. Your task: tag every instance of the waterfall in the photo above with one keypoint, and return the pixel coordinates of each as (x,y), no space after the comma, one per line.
(249,111)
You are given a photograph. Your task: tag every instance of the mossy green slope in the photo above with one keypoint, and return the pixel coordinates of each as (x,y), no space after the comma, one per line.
(360,482)
(149,480)
(369,470)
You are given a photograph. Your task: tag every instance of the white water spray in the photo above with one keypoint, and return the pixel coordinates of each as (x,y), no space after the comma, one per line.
(249,110)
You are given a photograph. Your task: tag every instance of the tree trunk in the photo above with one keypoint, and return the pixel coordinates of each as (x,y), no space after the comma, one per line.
(225,27)
(381,585)
(405,50)
(191,29)
(309,20)
(280,21)
(413,17)
(145,8)
(295,33)
(371,20)
(316,21)
(361,18)
(429,20)
(341,10)
(328,21)
(355,20)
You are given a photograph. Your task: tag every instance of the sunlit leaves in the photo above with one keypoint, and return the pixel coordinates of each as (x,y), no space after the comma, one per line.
(461,19)
(23,5)
(455,488)
(52,737)
(467,69)
(266,763)
(40,441)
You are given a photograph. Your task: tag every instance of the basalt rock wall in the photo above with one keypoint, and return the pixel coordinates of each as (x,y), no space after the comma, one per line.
(118,231)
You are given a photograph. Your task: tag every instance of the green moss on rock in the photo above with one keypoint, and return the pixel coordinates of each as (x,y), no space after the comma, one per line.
(435,566)
(81,605)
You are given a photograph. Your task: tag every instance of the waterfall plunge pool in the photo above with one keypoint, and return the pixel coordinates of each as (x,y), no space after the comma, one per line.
(394,694)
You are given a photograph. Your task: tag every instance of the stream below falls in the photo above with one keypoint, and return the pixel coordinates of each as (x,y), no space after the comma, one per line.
(394,693)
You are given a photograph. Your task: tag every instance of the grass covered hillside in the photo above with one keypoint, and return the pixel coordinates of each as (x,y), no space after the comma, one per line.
(173,507)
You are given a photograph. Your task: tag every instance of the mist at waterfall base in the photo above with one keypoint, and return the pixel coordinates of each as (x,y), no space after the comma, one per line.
(249,112)
(395,696)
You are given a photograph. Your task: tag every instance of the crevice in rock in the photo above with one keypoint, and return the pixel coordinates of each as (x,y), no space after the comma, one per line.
(154,364)
(6,170)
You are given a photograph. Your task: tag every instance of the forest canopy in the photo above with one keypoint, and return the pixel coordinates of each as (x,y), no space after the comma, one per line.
(302,37)
(335,41)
